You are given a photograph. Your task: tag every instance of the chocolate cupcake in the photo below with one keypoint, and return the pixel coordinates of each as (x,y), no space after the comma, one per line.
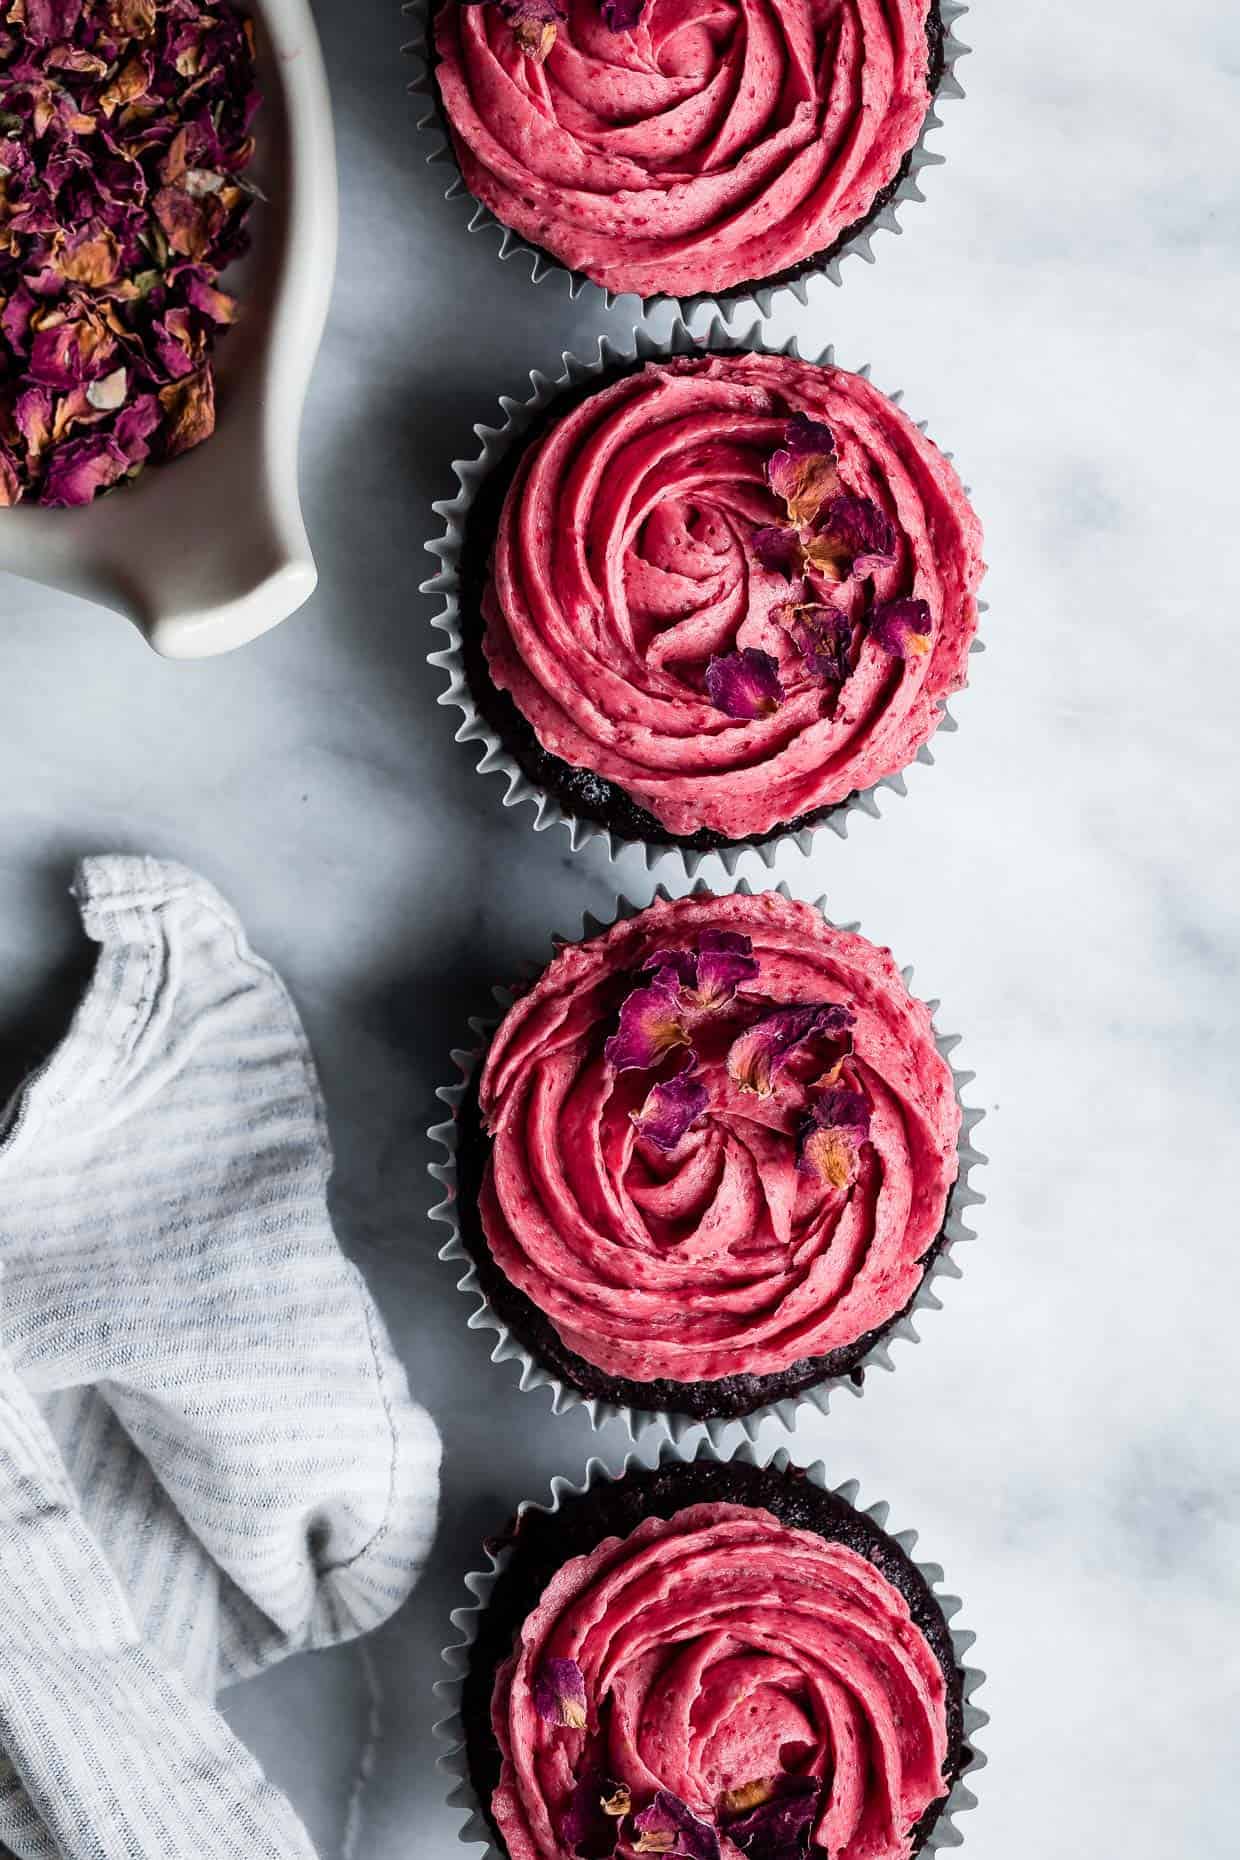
(715,1659)
(712,599)
(709,1161)
(692,153)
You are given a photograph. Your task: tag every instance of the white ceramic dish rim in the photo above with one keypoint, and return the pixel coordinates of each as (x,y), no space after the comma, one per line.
(210,551)
(480,1583)
(638,1421)
(495,441)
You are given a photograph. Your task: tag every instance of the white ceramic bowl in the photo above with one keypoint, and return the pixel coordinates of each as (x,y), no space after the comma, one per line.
(210,550)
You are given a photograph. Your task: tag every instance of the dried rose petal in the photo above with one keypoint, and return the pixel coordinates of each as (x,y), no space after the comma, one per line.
(10,483)
(745,684)
(670,1109)
(725,958)
(108,393)
(849,530)
(652,1022)
(560,1694)
(669,1826)
(588,1826)
(621,15)
(533,24)
(135,426)
(901,627)
(80,469)
(803,470)
(89,255)
(779,1827)
(831,1136)
(778,549)
(749,1795)
(189,409)
(823,637)
(757,1056)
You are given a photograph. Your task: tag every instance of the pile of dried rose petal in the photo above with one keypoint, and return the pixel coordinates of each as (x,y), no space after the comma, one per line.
(124,129)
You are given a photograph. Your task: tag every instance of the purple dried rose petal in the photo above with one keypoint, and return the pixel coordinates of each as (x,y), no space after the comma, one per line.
(846,531)
(32,413)
(901,627)
(778,549)
(780,1827)
(669,1826)
(652,1023)
(80,469)
(745,684)
(134,427)
(589,1823)
(682,963)
(534,24)
(757,1056)
(803,470)
(823,637)
(560,1694)
(670,1109)
(10,481)
(725,959)
(621,15)
(832,1134)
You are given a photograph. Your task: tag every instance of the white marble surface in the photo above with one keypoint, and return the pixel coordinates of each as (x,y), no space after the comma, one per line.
(1063,313)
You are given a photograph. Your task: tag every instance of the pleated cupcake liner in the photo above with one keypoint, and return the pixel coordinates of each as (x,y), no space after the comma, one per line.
(744,299)
(480,1583)
(534,1374)
(495,758)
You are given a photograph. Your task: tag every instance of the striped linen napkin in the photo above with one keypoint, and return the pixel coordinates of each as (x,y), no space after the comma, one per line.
(209,1457)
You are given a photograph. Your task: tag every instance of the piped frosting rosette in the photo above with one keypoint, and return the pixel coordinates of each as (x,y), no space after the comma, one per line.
(718,1661)
(737,587)
(718,1146)
(679,148)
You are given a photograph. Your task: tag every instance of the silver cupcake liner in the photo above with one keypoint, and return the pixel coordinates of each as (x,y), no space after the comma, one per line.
(518,417)
(450,1730)
(637,1421)
(761,297)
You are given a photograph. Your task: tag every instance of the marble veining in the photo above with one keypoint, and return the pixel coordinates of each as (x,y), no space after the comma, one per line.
(1062,313)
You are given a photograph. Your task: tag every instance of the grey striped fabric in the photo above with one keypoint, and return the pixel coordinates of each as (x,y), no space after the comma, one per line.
(208,1453)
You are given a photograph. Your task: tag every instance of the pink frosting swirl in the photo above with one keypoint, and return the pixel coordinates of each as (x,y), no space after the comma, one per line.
(719,1647)
(718,143)
(721,1256)
(624,562)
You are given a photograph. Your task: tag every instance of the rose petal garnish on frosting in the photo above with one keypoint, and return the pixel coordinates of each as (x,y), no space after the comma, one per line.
(560,1694)
(757,1056)
(803,470)
(725,958)
(849,530)
(588,1825)
(748,1795)
(778,549)
(832,1135)
(671,1107)
(616,1800)
(778,1828)
(533,24)
(823,636)
(668,1826)
(621,15)
(745,684)
(901,628)
(651,1024)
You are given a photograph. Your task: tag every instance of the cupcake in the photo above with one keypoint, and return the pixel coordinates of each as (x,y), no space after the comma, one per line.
(707,1161)
(717,1660)
(686,150)
(712,598)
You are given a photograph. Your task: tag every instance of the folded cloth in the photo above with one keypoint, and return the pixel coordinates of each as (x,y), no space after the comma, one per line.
(208,1453)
